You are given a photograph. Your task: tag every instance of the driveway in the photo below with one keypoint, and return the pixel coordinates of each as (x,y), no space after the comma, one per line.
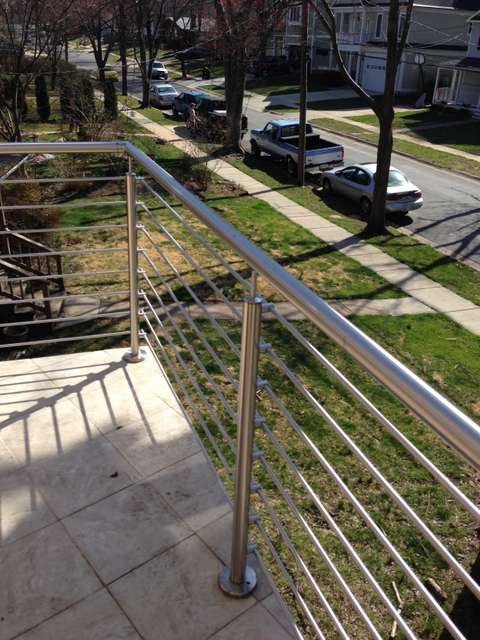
(450,217)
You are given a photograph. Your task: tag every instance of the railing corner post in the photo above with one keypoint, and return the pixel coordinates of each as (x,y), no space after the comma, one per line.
(135,354)
(239,579)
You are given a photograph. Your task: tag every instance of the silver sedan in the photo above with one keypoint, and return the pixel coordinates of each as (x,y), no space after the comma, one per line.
(162,95)
(357,182)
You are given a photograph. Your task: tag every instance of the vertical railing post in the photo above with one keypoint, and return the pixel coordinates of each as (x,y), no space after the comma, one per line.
(135,354)
(240,579)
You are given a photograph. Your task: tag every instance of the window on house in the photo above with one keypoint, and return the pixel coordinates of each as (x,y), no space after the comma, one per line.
(478,43)
(378,25)
(346,23)
(295,14)
(338,21)
(401,26)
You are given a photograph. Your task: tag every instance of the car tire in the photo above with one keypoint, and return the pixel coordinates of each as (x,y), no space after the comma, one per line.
(365,206)
(255,149)
(174,111)
(327,187)
(291,166)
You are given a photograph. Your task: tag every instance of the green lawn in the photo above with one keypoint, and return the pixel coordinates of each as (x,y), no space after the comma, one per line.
(157,115)
(457,276)
(415,118)
(423,153)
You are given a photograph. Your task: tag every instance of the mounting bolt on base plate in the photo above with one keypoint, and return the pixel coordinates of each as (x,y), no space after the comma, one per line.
(237,590)
(128,357)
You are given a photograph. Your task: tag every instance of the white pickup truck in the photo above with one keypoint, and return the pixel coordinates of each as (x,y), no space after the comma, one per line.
(279,138)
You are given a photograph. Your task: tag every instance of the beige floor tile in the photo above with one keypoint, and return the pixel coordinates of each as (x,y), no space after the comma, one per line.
(98,617)
(191,487)
(48,429)
(79,478)
(189,604)
(22,507)
(160,440)
(217,536)
(256,623)
(42,574)
(280,613)
(125,530)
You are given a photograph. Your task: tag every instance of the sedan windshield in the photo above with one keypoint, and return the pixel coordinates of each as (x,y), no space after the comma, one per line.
(396,179)
(165,90)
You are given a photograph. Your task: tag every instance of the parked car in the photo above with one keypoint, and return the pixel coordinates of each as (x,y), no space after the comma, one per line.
(194,53)
(280,139)
(110,73)
(357,182)
(162,95)
(209,118)
(159,71)
(183,103)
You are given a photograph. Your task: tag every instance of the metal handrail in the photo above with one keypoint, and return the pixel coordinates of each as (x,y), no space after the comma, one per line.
(454,426)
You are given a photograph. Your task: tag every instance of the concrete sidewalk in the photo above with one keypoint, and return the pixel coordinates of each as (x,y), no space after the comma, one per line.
(417,286)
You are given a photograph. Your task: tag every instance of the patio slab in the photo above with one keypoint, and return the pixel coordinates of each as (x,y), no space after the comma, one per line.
(100,505)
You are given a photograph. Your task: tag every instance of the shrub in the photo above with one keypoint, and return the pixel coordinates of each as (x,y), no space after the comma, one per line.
(42,98)
(67,98)
(110,99)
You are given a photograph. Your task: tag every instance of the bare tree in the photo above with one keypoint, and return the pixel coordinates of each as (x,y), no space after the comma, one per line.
(30,31)
(382,106)
(95,20)
(243,27)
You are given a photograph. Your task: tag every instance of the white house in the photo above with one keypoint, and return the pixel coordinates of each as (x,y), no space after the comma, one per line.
(458,83)
(437,34)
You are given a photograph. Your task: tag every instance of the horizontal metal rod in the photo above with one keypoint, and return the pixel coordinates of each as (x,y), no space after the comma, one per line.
(56,276)
(82,318)
(64,179)
(65,205)
(66,252)
(93,336)
(97,227)
(20,148)
(69,296)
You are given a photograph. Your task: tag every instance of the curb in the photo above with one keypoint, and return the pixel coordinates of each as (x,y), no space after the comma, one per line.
(400,153)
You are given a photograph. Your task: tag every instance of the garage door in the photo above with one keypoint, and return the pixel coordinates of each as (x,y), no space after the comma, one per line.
(373,76)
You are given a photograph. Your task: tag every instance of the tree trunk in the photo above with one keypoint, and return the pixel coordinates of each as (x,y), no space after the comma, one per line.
(376,223)
(235,72)
(385,113)
(66,49)
(122,47)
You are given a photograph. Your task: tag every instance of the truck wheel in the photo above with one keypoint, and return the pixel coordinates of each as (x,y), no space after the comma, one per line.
(327,187)
(174,111)
(255,149)
(291,166)
(365,206)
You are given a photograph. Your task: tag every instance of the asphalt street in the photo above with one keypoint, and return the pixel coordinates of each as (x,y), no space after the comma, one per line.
(450,217)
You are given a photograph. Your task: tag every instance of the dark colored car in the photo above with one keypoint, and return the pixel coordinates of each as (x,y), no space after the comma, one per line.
(209,118)
(183,103)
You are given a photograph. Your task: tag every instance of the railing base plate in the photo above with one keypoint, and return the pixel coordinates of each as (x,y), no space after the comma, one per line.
(130,358)
(237,590)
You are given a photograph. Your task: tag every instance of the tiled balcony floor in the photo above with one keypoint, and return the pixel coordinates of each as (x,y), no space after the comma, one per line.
(112,522)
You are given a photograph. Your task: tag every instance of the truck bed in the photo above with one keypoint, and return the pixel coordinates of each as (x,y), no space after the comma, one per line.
(313,142)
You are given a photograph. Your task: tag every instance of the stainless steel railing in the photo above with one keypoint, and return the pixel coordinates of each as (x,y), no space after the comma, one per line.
(310,460)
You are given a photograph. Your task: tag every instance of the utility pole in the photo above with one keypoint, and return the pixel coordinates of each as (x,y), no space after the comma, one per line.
(303,94)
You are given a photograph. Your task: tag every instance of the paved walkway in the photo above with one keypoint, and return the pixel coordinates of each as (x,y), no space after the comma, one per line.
(416,285)
(113,522)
